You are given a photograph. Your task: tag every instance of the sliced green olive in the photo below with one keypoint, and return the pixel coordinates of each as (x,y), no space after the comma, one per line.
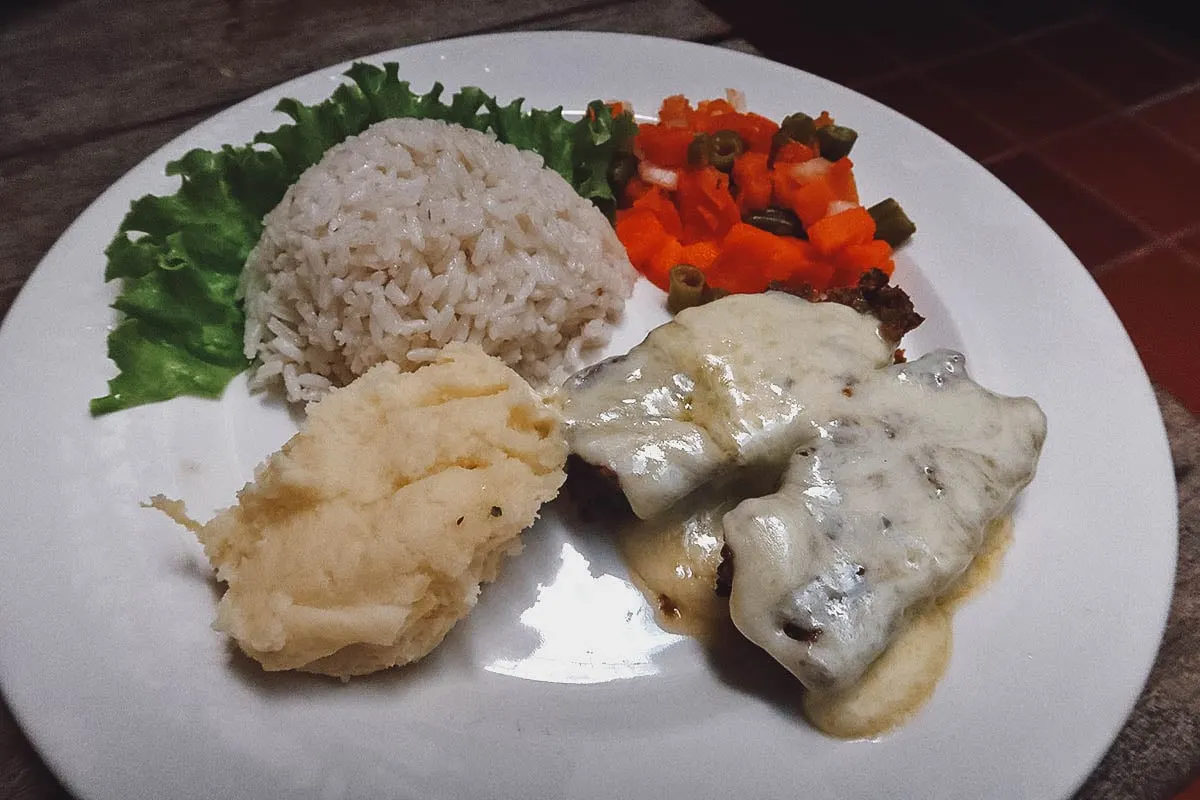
(687,285)
(798,127)
(779,221)
(623,167)
(723,149)
(836,141)
(892,225)
(697,152)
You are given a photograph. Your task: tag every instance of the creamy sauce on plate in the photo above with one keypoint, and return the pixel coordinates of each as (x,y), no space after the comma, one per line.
(674,564)
(877,484)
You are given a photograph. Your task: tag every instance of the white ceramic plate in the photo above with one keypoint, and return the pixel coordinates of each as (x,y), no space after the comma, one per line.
(560,685)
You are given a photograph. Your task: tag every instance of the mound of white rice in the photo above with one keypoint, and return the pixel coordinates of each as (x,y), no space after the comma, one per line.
(417,233)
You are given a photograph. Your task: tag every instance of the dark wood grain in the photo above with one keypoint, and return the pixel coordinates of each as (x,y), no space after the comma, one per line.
(8,293)
(44,190)
(79,69)
(110,149)
(23,776)
(675,19)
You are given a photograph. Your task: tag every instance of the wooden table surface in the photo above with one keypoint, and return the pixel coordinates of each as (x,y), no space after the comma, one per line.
(88,88)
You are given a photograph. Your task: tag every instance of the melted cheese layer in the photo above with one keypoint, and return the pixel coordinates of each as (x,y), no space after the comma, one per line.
(883,510)
(733,383)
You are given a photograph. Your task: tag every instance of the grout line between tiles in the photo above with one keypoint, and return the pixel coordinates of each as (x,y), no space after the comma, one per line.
(1153,43)
(1159,243)
(1117,112)
(1004,40)
(1088,189)
(1127,112)
(1079,18)
(1186,255)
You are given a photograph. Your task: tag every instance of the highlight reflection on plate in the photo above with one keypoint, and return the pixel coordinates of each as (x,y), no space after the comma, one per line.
(590,628)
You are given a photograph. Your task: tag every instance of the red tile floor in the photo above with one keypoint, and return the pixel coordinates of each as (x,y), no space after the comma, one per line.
(1090,112)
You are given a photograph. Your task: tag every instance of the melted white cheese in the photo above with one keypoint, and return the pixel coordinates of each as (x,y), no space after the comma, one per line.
(741,381)
(673,560)
(887,476)
(882,511)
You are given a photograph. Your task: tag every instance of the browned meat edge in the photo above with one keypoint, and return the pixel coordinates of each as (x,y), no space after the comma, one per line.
(873,295)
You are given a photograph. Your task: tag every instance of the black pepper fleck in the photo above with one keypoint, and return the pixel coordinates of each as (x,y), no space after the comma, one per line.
(460,521)
(497,511)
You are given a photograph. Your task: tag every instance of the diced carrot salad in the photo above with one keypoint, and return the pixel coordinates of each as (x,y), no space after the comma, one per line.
(749,201)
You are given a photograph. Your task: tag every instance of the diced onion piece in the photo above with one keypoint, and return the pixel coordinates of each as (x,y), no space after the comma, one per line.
(659,176)
(808,171)
(838,206)
(737,99)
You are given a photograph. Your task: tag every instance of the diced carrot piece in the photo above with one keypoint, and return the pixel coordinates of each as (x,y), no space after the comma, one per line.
(616,108)
(811,201)
(706,207)
(711,108)
(782,187)
(875,254)
(817,273)
(700,254)
(733,273)
(791,256)
(676,111)
(755,131)
(823,121)
(832,233)
(845,274)
(758,131)
(751,258)
(642,234)
(635,187)
(662,145)
(752,180)
(794,153)
(659,269)
(657,202)
(841,180)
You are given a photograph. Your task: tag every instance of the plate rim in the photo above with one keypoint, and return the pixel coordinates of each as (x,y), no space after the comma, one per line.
(26,716)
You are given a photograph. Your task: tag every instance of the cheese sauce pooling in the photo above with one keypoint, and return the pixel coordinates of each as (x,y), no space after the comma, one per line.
(885,482)
(674,564)
(902,679)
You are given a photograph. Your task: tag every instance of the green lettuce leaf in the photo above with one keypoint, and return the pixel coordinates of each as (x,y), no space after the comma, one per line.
(598,138)
(179,257)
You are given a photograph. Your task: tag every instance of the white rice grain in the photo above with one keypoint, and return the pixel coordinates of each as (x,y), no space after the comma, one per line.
(417,233)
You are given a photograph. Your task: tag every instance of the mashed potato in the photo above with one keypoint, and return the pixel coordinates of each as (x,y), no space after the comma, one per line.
(365,539)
